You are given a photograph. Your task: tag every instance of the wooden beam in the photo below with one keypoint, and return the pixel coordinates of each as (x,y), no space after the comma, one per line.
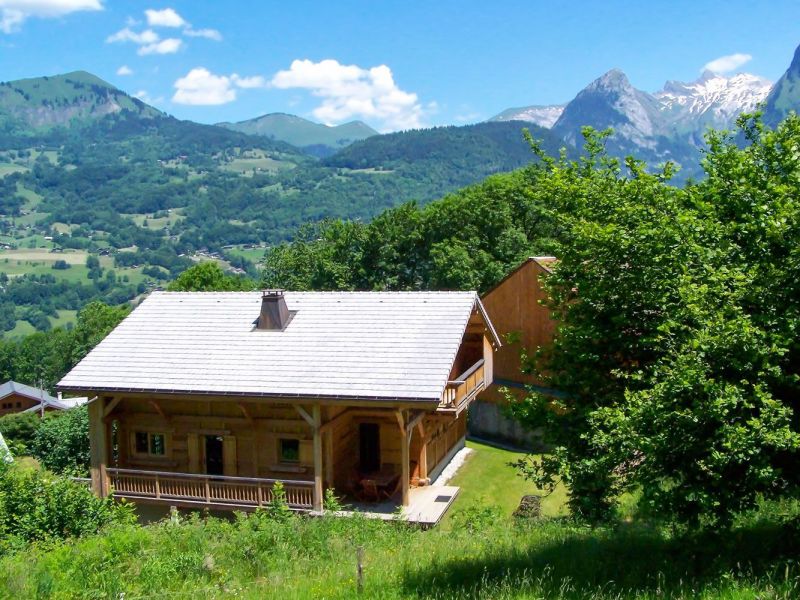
(316,423)
(423,452)
(98,442)
(329,424)
(401,420)
(157,405)
(304,413)
(246,412)
(415,419)
(328,457)
(405,444)
(111,406)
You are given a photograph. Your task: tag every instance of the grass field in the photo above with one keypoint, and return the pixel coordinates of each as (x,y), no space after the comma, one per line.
(487,477)
(255,255)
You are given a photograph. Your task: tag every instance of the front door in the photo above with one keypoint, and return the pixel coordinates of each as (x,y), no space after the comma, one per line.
(214,461)
(369,447)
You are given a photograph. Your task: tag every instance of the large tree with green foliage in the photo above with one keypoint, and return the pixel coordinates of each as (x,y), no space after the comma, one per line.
(209,277)
(467,240)
(676,349)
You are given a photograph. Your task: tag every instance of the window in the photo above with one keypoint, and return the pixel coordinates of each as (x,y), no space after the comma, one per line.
(289,450)
(150,443)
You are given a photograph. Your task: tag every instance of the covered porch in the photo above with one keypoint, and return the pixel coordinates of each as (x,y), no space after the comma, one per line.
(225,453)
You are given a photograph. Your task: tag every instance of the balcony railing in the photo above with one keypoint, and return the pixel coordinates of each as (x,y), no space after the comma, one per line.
(212,490)
(460,392)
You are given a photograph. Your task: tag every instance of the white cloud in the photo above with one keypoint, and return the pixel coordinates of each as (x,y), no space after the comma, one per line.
(148,36)
(200,87)
(256,81)
(167,46)
(211,34)
(350,91)
(725,64)
(124,70)
(164,18)
(14,12)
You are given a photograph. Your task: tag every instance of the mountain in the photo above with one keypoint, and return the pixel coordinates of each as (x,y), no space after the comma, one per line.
(785,94)
(70,100)
(611,101)
(319,139)
(543,116)
(711,101)
(466,152)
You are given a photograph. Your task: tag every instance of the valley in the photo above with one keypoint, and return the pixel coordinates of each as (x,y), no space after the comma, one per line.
(103,197)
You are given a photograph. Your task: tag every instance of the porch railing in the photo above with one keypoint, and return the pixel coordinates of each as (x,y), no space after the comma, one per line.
(460,392)
(206,489)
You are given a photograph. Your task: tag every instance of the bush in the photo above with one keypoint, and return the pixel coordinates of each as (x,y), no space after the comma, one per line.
(39,506)
(61,442)
(19,429)
(61,265)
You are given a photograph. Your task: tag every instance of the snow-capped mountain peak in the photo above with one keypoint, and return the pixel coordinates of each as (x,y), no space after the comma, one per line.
(720,99)
(544,116)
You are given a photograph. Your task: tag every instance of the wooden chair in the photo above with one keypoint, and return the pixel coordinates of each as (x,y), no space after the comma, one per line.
(370,491)
(390,490)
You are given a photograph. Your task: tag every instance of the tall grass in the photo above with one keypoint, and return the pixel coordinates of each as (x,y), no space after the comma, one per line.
(256,557)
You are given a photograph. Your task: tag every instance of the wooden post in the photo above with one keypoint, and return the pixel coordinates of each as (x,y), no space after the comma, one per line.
(98,441)
(317,422)
(405,443)
(423,452)
(360,568)
(329,458)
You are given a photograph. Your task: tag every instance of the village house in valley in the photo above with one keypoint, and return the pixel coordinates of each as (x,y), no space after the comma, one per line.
(208,398)
(17,397)
(524,324)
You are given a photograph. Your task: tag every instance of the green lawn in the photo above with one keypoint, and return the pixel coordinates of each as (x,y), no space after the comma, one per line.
(486,477)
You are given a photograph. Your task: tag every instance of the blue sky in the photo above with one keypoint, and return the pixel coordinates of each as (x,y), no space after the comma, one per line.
(392,64)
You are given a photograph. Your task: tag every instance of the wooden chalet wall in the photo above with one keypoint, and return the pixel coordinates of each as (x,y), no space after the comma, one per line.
(14,403)
(514,307)
(251,433)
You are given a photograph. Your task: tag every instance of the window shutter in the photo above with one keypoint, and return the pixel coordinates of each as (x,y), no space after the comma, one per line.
(229,455)
(193,447)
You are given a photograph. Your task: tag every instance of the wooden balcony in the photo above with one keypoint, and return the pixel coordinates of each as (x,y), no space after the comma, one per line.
(460,392)
(213,491)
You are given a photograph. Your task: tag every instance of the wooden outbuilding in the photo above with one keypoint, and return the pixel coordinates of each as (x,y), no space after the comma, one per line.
(207,399)
(515,307)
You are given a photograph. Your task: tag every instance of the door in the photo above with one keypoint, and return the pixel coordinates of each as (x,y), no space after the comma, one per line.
(214,455)
(369,447)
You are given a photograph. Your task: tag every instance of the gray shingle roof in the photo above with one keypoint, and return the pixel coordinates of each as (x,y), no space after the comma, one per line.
(381,345)
(12,387)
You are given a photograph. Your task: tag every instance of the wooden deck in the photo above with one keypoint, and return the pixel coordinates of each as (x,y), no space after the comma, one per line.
(426,508)
(213,491)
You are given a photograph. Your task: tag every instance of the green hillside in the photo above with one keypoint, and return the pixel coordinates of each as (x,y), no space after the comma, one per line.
(149,194)
(318,138)
(72,99)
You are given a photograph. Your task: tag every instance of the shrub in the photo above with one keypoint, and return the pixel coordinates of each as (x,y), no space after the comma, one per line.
(61,442)
(477,517)
(19,430)
(39,506)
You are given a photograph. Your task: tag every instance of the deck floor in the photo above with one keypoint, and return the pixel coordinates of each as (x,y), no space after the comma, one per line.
(427,506)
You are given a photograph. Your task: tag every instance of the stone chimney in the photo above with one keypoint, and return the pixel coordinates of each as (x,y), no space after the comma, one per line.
(274,313)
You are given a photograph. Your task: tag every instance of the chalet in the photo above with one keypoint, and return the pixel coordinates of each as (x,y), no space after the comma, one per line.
(209,398)
(524,324)
(18,397)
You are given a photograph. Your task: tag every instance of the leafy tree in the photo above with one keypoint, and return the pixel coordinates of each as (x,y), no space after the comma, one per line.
(209,277)
(674,351)
(61,442)
(37,506)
